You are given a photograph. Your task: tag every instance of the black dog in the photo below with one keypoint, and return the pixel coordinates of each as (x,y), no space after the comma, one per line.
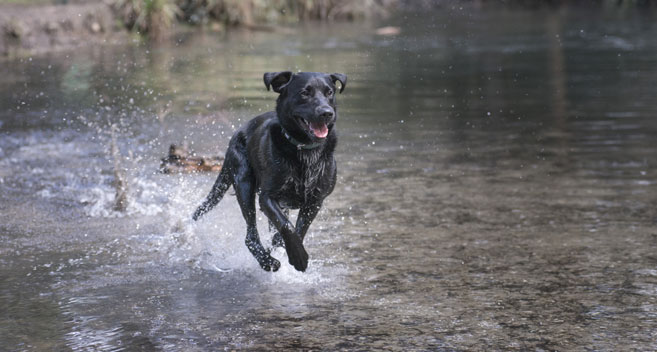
(286,157)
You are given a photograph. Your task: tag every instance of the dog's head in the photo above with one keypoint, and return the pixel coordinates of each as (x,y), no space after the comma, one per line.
(306,106)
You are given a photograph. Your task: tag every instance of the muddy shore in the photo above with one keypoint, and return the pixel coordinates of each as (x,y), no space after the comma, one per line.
(26,30)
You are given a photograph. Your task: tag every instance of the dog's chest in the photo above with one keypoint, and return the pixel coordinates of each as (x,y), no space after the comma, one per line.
(300,186)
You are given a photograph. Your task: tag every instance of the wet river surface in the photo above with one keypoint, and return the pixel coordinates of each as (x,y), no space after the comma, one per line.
(496,191)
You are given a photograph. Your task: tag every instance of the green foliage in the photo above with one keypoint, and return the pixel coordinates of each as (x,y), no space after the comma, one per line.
(153,17)
(249,12)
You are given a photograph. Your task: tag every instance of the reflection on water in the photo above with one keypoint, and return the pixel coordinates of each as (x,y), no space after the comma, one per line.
(496,191)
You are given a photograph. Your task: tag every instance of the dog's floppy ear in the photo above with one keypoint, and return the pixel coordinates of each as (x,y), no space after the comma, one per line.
(277,80)
(339,77)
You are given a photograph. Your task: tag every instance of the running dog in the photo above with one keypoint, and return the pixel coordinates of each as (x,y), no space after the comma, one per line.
(286,157)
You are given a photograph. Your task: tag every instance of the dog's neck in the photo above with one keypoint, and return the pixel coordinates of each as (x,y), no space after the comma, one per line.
(300,145)
(308,154)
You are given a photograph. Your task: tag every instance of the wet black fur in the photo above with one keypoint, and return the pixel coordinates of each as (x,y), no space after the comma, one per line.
(261,159)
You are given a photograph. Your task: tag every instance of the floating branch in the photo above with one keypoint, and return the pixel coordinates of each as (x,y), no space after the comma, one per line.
(180,159)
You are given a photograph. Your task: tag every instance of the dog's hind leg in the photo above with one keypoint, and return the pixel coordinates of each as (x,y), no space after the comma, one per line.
(220,187)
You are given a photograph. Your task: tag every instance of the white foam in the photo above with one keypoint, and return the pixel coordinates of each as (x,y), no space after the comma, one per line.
(216,241)
(99,201)
(45,193)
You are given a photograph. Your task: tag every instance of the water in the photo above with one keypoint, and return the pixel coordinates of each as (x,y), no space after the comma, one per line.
(496,191)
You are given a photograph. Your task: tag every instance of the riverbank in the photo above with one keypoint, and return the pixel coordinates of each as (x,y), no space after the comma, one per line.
(34,29)
(31,27)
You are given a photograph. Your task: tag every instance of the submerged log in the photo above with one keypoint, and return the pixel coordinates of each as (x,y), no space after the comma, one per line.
(180,159)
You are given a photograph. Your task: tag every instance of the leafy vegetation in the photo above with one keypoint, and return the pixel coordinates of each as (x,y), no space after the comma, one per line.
(151,17)
(249,12)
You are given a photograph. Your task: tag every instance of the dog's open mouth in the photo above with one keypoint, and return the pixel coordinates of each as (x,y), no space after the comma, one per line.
(318,129)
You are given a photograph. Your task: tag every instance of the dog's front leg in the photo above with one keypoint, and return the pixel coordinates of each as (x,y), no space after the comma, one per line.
(296,254)
(307,214)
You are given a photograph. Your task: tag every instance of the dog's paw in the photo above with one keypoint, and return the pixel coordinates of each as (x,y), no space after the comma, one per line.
(270,264)
(277,240)
(302,263)
(297,256)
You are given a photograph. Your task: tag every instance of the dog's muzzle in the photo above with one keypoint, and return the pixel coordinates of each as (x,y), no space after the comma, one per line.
(319,126)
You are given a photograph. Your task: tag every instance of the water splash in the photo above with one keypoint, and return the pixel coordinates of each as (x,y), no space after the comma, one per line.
(120,181)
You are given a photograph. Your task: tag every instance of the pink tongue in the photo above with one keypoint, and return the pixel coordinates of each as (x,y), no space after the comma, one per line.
(319,129)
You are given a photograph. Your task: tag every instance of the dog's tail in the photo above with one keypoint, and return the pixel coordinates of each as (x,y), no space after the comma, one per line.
(220,187)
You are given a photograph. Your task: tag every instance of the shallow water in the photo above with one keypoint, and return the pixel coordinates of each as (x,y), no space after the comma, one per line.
(497,174)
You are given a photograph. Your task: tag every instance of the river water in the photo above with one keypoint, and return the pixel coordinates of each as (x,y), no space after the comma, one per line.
(496,191)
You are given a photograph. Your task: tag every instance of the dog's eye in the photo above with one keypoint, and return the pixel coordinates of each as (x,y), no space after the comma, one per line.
(305,93)
(329,93)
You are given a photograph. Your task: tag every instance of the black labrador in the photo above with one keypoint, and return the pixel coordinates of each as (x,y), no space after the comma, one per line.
(286,157)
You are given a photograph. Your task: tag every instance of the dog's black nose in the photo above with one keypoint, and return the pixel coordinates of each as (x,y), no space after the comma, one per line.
(325,112)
